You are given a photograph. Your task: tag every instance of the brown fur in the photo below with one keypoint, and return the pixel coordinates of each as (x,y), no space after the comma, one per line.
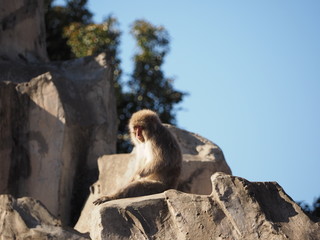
(158,159)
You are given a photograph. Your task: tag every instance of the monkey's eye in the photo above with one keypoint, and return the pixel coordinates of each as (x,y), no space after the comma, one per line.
(138,128)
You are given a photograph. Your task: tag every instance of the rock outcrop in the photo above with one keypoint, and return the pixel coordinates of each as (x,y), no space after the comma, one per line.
(26,218)
(22,31)
(236,209)
(201,158)
(57,119)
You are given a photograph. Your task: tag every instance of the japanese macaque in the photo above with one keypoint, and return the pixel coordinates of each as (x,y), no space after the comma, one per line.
(158,158)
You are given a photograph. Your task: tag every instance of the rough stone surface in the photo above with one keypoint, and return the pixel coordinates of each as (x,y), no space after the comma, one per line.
(58,119)
(26,218)
(201,158)
(22,31)
(236,209)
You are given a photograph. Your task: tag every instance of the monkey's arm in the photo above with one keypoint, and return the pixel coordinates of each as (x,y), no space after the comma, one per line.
(135,189)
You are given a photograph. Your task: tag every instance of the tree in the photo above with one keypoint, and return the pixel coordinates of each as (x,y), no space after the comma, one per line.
(149,88)
(59,17)
(313,210)
(90,39)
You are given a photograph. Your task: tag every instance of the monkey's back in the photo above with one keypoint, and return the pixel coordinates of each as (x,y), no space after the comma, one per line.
(168,157)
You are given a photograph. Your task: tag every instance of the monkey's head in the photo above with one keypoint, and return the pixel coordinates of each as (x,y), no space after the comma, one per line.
(143,124)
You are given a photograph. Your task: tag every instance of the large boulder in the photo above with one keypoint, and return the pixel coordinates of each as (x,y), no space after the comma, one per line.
(201,158)
(27,218)
(57,119)
(236,209)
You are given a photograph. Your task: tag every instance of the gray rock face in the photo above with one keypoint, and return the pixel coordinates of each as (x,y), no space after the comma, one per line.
(236,209)
(22,32)
(26,218)
(201,158)
(58,119)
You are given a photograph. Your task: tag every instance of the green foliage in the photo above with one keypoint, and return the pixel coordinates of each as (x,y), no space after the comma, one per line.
(90,39)
(59,17)
(149,88)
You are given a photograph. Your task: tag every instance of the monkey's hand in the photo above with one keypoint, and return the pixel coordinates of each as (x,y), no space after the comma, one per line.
(101,200)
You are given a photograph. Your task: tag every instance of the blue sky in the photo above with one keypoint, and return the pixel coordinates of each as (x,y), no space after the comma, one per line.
(252,69)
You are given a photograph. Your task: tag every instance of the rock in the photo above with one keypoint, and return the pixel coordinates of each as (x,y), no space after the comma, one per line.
(115,171)
(236,209)
(26,218)
(22,32)
(201,158)
(59,118)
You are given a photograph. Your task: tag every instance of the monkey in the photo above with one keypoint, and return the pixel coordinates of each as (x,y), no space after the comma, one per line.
(157,154)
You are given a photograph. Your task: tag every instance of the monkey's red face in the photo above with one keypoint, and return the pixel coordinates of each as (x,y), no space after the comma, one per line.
(138,133)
